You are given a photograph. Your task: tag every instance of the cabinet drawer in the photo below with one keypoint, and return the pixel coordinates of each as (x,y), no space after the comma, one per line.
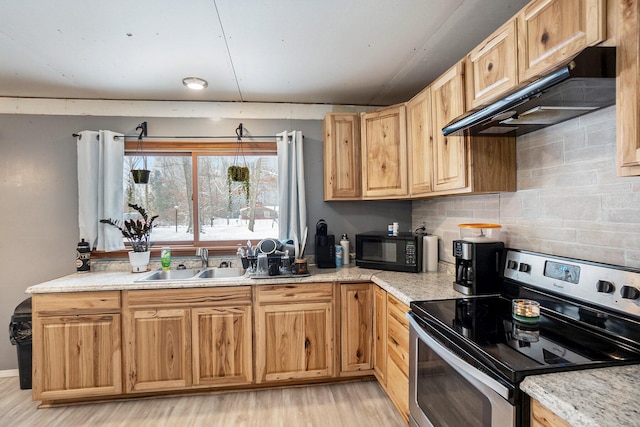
(398,334)
(76,303)
(229,295)
(270,294)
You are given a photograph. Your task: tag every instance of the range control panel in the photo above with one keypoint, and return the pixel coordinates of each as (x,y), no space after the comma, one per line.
(608,286)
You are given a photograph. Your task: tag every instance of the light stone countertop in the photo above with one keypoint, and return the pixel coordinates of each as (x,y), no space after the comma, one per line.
(406,287)
(590,398)
(593,397)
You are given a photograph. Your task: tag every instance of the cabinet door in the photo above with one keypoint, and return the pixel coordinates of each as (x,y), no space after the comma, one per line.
(552,31)
(356,314)
(384,153)
(76,356)
(158,349)
(450,155)
(342,158)
(628,89)
(294,341)
(221,346)
(491,68)
(380,335)
(419,142)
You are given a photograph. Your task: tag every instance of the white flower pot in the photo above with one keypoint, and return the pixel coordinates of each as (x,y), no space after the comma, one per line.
(139,261)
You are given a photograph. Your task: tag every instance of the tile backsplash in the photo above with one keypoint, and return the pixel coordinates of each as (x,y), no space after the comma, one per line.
(569,201)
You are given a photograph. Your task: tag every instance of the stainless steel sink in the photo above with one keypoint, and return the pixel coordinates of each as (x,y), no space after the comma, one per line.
(191,274)
(169,275)
(219,273)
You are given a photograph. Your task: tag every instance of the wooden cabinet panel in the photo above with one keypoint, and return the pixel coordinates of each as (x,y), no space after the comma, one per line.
(449,153)
(552,31)
(294,332)
(342,158)
(491,68)
(543,417)
(356,327)
(380,335)
(398,334)
(384,153)
(419,142)
(76,303)
(222,345)
(294,341)
(157,349)
(76,356)
(628,89)
(398,388)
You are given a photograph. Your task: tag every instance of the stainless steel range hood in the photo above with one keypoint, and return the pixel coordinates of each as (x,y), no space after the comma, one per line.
(584,84)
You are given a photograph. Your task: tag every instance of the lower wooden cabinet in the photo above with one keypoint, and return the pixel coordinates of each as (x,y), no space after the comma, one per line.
(182,338)
(543,417)
(380,335)
(356,324)
(76,345)
(392,349)
(294,332)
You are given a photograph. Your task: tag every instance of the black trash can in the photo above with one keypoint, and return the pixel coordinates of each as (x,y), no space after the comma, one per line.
(20,336)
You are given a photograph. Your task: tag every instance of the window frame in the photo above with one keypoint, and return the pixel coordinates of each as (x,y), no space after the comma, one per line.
(194,148)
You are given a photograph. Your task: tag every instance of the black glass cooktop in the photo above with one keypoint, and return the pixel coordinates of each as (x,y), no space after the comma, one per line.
(484,328)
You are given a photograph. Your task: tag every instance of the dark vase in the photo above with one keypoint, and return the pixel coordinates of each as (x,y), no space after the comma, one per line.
(140,176)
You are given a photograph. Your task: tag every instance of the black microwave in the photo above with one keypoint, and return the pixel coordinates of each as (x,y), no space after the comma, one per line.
(382,252)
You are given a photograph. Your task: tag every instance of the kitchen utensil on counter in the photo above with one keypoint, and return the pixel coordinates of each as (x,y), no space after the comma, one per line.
(480,232)
(304,242)
(262,268)
(300,266)
(268,246)
(429,253)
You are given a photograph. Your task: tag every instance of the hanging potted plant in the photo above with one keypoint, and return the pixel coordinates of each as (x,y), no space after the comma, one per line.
(140,176)
(237,173)
(138,233)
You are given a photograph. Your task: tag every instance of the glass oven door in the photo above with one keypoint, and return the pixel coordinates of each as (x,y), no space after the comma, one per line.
(445,390)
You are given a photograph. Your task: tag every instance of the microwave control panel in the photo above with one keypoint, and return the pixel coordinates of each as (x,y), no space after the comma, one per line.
(410,253)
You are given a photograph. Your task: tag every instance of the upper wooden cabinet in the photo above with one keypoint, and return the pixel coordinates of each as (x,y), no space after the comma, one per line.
(342,159)
(384,153)
(492,67)
(420,143)
(628,89)
(449,152)
(76,345)
(552,31)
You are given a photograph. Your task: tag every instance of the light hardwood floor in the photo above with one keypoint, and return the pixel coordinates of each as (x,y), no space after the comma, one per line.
(347,404)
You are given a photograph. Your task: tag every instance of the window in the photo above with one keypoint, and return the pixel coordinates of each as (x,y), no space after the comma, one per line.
(218,213)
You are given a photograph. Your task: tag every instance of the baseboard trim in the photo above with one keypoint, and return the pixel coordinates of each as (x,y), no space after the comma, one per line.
(9,373)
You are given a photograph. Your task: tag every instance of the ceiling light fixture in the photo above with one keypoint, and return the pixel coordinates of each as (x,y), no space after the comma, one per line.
(195,83)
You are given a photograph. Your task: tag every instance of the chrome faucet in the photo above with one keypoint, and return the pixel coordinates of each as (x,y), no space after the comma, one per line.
(204,256)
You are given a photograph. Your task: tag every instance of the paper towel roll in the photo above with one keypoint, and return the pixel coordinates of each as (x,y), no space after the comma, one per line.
(429,253)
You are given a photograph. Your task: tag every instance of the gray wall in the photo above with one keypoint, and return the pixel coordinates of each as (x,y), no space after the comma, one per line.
(569,202)
(38,190)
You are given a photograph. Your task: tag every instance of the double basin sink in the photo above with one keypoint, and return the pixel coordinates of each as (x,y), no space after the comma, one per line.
(192,274)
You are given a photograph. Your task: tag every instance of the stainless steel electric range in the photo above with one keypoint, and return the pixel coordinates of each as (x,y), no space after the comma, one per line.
(468,355)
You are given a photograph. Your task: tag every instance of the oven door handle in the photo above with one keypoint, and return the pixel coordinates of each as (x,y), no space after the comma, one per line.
(456,362)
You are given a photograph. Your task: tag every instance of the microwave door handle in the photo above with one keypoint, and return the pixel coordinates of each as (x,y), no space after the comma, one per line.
(456,362)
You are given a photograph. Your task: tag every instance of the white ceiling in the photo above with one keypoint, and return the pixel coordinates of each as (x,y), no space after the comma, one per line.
(355,52)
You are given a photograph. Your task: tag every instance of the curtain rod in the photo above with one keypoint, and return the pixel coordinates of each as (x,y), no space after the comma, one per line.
(75,135)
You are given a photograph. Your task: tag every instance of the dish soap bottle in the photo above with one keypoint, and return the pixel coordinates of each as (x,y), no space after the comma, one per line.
(165,258)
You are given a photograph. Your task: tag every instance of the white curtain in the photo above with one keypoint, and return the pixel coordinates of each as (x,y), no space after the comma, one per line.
(100,192)
(293,208)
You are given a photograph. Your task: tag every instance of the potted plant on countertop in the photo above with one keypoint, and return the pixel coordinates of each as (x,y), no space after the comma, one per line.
(138,233)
